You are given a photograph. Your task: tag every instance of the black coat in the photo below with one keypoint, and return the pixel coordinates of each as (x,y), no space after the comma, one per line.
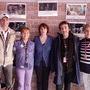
(57,65)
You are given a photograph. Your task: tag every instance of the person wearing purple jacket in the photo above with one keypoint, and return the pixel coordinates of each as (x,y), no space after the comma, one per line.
(42,64)
(24,60)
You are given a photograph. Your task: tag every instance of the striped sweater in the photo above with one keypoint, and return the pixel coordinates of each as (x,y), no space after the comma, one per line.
(85,55)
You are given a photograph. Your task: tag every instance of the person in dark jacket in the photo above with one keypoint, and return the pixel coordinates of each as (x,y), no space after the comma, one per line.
(43,44)
(65,58)
(24,60)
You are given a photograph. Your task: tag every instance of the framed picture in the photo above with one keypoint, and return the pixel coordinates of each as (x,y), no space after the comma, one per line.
(77,28)
(47,8)
(76,11)
(16,25)
(16,10)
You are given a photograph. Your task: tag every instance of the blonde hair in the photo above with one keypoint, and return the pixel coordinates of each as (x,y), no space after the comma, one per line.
(86,26)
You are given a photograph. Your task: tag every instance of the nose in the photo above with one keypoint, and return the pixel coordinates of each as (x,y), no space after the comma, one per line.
(64,30)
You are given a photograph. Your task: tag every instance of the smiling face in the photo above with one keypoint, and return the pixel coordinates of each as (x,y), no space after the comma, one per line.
(25,34)
(43,31)
(4,22)
(64,29)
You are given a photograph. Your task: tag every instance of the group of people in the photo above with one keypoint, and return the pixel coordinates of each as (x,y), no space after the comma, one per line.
(65,55)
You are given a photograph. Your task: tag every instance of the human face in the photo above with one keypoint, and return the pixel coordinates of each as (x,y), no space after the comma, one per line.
(4,22)
(87,32)
(64,29)
(25,34)
(43,31)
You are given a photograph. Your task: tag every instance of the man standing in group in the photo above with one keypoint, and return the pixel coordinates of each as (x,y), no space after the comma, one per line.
(7,37)
(65,57)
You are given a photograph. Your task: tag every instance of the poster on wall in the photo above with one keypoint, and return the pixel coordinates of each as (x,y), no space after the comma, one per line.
(16,10)
(47,8)
(77,28)
(16,25)
(76,11)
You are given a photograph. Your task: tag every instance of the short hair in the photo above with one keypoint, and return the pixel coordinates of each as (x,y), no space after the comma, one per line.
(44,25)
(63,22)
(23,28)
(85,26)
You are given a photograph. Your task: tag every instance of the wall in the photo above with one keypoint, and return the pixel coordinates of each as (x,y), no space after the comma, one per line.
(33,20)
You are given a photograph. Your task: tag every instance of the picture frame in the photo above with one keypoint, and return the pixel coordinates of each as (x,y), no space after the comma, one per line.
(77,28)
(48,8)
(16,25)
(16,10)
(76,11)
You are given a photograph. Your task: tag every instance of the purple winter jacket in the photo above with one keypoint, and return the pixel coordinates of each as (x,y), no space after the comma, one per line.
(24,54)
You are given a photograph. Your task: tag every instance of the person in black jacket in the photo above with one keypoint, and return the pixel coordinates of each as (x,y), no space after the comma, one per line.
(65,58)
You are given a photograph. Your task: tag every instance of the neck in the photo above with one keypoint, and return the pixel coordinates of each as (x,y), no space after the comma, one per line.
(44,35)
(65,36)
(25,40)
(5,28)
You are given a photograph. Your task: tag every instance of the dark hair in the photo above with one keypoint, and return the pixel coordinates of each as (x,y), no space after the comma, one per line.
(63,22)
(23,28)
(44,25)
(85,26)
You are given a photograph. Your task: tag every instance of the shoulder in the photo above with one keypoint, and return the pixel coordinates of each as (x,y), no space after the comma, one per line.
(58,37)
(50,38)
(74,37)
(12,31)
(17,42)
(36,38)
(76,40)
(31,43)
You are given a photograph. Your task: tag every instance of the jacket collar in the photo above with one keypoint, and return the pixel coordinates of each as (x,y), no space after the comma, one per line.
(60,35)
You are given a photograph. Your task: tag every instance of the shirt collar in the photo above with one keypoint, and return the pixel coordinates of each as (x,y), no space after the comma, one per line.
(1,30)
